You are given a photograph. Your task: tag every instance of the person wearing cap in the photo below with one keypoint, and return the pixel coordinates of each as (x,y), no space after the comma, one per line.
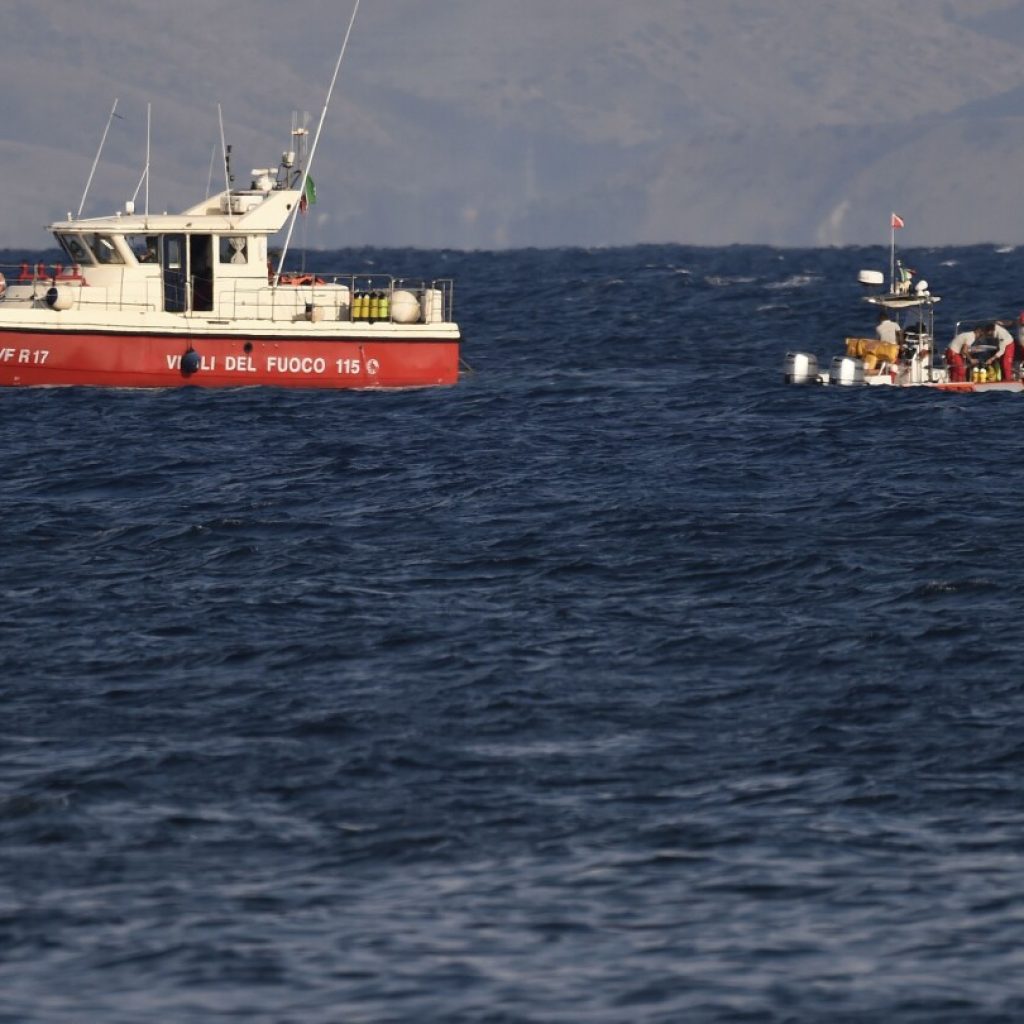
(1005,348)
(958,355)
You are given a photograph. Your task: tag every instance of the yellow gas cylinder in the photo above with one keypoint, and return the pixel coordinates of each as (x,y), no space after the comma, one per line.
(361,306)
(374,305)
(385,306)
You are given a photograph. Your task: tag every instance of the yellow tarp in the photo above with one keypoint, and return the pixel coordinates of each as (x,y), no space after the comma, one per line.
(872,351)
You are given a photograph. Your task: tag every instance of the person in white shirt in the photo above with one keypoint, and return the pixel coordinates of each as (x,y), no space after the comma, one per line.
(958,355)
(887,329)
(1006,349)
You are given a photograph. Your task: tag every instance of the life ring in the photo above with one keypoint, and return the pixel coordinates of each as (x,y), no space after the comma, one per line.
(3,286)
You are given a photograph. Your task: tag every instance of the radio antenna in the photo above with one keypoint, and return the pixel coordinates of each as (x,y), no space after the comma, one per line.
(316,139)
(144,177)
(209,176)
(226,152)
(149,118)
(97,160)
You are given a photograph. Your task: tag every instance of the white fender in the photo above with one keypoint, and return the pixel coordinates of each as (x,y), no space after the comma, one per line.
(60,298)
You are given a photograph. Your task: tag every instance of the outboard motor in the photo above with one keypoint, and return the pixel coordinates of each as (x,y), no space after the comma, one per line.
(915,357)
(845,371)
(801,368)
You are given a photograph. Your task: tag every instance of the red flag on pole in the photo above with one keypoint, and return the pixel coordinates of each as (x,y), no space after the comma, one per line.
(897,221)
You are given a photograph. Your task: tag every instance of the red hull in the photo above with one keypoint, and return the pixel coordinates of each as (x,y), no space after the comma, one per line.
(97,359)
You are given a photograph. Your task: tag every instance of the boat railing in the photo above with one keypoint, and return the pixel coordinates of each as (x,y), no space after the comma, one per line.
(28,273)
(370,298)
(373,298)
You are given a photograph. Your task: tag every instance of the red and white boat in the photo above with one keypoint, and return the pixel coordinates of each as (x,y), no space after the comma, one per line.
(911,360)
(904,352)
(156,301)
(187,299)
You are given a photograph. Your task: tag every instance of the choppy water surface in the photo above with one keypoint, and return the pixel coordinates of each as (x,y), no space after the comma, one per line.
(618,683)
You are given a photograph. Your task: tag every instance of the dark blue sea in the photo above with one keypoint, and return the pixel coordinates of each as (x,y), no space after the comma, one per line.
(618,683)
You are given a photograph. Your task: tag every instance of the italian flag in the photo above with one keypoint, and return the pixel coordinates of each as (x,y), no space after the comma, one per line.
(308,194)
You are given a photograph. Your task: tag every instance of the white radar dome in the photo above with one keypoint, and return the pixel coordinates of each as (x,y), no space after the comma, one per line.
(871,277)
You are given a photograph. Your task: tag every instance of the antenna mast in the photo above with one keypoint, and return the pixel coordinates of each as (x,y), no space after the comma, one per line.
(209,176)
(316,140)
(149,111)
(892,252)
(97,160)
(226,152)
(144,177)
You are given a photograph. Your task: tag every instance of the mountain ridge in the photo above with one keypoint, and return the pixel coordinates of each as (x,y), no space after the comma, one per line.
(486,125)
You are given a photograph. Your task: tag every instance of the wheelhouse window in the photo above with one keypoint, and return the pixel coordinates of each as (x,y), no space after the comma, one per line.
(104,249)
(145,247)
(173,253)
(76,247)
(233,249)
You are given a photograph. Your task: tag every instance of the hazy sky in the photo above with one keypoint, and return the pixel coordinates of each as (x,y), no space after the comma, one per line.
(493,123)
